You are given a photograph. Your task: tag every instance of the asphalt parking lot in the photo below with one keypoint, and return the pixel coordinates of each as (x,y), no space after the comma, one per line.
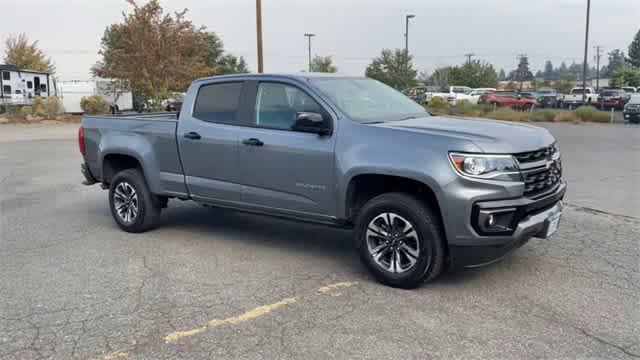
(214,284)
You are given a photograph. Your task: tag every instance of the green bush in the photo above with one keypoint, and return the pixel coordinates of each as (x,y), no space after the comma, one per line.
(38,106)
(507,114)
(14,112)
(52,107)
(543,115)
(437,103)
(26,111)
(589,113)
(94,104)
(566,116)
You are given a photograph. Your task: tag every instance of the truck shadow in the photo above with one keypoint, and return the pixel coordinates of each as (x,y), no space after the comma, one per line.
(288,236)
(294,238)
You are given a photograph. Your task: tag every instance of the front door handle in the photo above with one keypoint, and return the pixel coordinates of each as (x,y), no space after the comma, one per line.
(252,142)
(192,135)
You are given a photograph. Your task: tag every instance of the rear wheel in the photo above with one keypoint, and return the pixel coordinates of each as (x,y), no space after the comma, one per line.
(400,240)
(133,207)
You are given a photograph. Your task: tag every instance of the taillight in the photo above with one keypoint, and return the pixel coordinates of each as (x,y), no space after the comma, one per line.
(81,140)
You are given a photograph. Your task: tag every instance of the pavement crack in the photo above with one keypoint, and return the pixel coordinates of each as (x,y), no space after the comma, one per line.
(605,342)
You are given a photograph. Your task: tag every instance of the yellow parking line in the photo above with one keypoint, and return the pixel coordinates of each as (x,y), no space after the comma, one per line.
(116,355)
(252,314)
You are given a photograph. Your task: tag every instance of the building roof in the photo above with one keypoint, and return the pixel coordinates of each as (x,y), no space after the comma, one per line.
(8,67)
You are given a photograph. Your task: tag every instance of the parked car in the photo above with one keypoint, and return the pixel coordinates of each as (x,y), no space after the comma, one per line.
(575,97)
(421,192)
(475,94)
(417,94)
(174,102)
(630,89)
(612,99)
(509,98)
(451,94)
(547,97)
(631,111)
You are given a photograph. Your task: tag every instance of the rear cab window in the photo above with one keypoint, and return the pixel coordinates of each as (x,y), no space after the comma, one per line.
(218,102)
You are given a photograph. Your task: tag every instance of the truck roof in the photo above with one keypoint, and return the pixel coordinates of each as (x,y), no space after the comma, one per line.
(296,76)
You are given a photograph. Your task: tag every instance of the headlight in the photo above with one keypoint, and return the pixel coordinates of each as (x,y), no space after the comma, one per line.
(496,167)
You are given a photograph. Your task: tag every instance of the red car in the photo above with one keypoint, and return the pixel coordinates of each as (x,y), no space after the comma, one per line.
(509,99)
(612,98)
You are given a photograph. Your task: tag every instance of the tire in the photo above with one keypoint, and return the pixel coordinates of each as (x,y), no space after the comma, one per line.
(147,213)
(402,209)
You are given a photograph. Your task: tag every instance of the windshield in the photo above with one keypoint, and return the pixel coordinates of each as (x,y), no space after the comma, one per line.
(367,100)
(579,91)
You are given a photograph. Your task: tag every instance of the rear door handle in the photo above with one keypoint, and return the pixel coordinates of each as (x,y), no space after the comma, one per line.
(192,135)
(252,142)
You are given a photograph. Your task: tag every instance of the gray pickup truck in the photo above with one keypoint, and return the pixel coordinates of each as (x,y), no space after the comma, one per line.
(422,192)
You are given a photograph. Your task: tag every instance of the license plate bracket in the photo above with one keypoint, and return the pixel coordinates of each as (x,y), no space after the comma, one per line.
(553,222)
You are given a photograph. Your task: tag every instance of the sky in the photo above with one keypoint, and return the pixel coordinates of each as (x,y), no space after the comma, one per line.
(351,31)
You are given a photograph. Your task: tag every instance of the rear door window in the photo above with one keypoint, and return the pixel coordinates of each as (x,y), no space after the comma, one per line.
(218,102)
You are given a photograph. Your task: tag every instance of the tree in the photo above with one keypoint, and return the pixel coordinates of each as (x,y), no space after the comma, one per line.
(393,68)
(220,62)
(575,70)
(627,76)
(25,55)
(616,62)
(549,73)
(539,74)
(522,73)
(323,64)
(474,74)
(634,51)
(502,76)
(155,53)
(441,77)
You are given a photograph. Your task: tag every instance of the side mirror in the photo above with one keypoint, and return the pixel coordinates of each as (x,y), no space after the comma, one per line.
(310,122)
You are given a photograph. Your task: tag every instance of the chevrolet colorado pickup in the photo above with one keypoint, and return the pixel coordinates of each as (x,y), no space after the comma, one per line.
(422,192)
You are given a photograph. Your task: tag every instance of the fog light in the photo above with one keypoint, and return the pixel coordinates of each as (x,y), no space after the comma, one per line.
(496,220)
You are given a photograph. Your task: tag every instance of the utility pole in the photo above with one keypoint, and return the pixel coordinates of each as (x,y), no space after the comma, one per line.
(406,45)
(518,71)
(597,58)
(309,36)
(259,33)
(586,49)
(469,55)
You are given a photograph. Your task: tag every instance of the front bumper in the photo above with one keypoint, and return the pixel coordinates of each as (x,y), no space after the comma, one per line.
(531,219)
(629,116)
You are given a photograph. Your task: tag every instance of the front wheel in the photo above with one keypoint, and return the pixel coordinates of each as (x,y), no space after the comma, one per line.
(133,207)
(400,240)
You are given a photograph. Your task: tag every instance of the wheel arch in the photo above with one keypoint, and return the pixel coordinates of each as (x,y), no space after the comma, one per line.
(364,186)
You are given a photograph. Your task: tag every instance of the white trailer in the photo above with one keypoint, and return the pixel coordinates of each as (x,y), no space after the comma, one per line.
(21,86)
(72,92)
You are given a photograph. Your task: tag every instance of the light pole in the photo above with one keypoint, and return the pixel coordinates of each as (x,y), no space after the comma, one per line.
(586,49)
(309,36)
(259,33)
(406,44)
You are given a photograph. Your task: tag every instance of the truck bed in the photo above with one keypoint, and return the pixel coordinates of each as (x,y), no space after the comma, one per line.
(150,138)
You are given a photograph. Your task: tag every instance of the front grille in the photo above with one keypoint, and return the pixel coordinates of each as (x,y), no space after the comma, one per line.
(537,155)
(542,180)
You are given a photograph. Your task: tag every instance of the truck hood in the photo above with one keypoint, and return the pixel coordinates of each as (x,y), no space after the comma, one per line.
(492,136)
